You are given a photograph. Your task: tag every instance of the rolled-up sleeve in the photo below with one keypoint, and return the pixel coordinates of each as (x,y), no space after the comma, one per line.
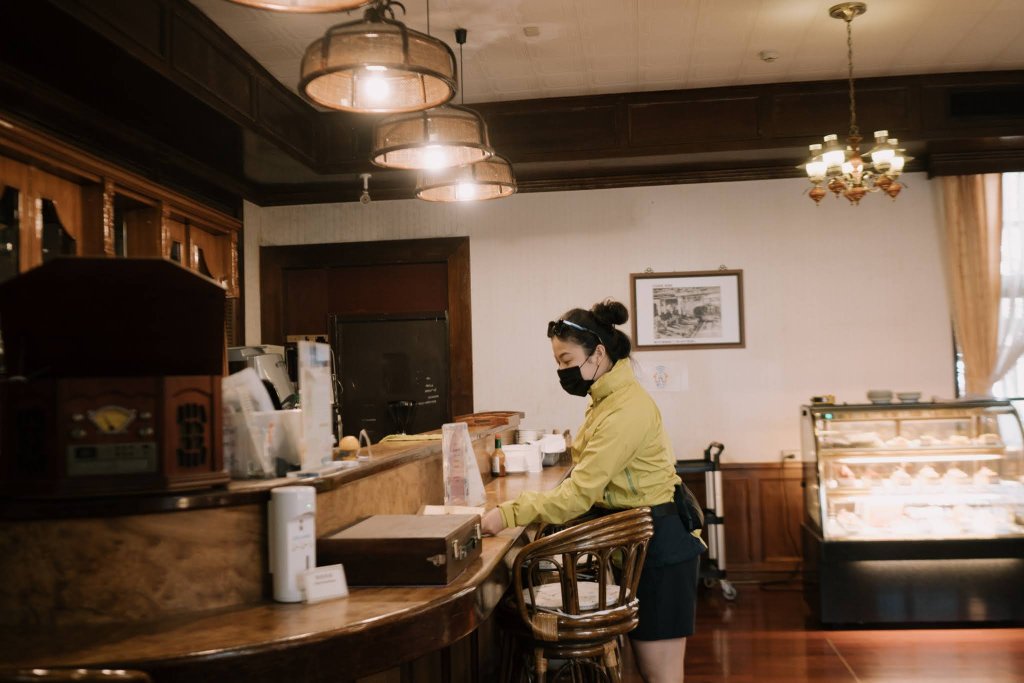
(614,442)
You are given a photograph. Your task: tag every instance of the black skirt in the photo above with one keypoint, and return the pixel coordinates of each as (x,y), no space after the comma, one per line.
(668,583)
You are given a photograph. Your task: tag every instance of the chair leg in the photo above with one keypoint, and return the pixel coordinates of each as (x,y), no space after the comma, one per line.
(611,662)
(540,664)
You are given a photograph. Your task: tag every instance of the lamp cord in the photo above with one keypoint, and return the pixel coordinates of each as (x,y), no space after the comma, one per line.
(854,130)
(428,17)
(462,76)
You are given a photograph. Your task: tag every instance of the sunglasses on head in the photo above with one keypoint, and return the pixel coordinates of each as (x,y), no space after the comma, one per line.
(557,328)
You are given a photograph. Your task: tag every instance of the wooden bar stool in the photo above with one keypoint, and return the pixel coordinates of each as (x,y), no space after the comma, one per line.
(568,603)
(72,676)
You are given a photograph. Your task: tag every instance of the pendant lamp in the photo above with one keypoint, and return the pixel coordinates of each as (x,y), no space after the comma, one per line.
(488,179)
(431,140)
(491,178)
(303,5)
(378,65)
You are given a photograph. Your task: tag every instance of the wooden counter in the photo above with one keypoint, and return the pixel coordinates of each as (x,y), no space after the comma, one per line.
(145,558)
(373,629)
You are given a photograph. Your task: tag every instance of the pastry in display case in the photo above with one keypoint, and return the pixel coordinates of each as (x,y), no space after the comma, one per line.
(914,481)
(903,472)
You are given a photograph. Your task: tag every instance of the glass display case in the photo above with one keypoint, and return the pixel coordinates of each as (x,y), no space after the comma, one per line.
(915,471)
(913,512)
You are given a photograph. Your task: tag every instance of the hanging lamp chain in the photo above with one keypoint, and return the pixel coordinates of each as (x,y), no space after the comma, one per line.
(854,129)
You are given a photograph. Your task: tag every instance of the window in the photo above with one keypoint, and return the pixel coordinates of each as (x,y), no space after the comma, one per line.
(1011,310)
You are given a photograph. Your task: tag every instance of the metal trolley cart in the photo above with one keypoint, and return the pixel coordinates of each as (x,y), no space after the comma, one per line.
(712,567)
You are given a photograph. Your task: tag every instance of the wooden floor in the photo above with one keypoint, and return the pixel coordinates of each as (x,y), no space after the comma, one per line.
(763,637)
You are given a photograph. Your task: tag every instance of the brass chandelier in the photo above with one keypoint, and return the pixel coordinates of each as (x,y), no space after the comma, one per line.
(842,169)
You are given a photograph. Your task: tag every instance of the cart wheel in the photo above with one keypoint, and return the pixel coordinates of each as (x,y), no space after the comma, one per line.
(729,591)
(709,582)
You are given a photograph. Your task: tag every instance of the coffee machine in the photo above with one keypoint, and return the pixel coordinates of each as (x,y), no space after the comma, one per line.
(269,364)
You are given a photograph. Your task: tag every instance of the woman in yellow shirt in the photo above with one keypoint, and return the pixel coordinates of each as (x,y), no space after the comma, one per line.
(622,459)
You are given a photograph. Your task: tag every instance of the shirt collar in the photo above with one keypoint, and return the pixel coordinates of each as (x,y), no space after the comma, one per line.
(619,376)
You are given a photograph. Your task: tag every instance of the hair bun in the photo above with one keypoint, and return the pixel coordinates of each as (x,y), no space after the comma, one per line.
(610,312)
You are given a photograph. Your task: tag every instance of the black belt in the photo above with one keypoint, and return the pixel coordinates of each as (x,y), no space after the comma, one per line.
(664,510)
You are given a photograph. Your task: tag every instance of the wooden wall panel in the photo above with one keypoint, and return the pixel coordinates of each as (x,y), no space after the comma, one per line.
(304,302)
(566,128)
(802,113)
(763,511)
(204,63)
(388,288)
(138,22)
(286,118)
(779,520)
(666,123)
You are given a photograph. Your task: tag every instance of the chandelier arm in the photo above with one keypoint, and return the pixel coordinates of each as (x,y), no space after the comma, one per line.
(854,129)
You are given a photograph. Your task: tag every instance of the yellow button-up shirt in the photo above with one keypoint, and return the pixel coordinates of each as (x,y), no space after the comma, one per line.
(621,454)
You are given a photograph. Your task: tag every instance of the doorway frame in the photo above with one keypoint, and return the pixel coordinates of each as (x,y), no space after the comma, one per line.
(453,251)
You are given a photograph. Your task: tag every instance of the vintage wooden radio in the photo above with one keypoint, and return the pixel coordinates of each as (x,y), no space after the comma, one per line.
(405,550)
(113,381)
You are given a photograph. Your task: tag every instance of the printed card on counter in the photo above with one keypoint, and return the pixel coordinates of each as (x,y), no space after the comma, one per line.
(323,583)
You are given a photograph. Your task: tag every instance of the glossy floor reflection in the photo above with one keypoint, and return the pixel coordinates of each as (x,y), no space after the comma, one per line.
(763,637)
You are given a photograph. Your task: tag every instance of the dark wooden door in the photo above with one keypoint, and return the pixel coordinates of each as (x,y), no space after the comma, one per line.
(304,285)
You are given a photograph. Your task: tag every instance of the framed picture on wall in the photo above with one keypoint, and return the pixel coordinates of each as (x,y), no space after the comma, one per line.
(696,310)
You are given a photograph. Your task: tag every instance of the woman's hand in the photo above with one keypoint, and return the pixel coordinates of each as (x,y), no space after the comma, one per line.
(492,522)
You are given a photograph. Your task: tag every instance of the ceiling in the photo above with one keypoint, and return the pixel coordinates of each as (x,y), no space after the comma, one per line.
(588,47)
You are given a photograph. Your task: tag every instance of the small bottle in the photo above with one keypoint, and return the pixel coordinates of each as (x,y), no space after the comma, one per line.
(498,460)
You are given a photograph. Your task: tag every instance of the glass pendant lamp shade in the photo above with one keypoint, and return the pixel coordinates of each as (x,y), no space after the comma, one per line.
(378,66)
(488,179)
(303,5)
(431,140)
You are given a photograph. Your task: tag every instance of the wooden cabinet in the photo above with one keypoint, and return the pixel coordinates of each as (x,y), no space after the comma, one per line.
(41,217)
(58,201)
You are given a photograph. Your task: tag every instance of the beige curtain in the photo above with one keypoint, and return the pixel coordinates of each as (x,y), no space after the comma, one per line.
(973,217)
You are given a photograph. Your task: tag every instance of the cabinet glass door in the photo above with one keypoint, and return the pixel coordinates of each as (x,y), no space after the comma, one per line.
(10,228)
(57,241)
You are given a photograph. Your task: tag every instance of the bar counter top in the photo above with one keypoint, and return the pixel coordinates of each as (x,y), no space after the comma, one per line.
(371,630)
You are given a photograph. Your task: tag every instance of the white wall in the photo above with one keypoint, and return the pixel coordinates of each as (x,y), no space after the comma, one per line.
(838,299)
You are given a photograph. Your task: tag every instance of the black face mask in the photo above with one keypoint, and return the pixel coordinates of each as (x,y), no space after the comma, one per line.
(572,380)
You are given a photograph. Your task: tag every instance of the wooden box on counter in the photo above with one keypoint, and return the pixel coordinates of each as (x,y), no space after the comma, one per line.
(404,550)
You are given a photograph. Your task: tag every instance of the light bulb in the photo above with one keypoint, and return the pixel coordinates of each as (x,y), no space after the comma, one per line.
(434,157)
(375,88)
(833,154)
(816,171)
(814,166)
(465,191)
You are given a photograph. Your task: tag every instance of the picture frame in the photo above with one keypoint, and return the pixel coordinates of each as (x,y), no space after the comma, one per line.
(690,310)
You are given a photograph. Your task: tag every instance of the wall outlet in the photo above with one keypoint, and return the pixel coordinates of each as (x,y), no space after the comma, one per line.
(789,454)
